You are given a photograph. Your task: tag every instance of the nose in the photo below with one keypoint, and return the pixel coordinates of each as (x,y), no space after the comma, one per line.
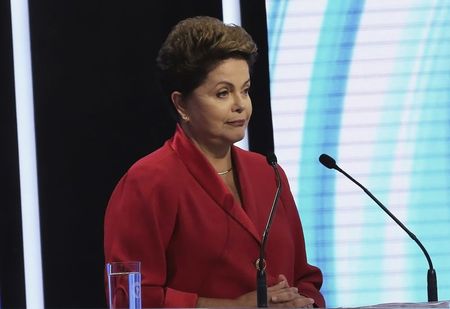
(239,103)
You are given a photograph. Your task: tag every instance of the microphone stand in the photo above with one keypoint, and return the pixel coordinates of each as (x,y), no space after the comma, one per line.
(431,275)
(261,282)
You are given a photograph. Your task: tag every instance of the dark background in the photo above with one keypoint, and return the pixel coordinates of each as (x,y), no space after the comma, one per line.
(97,110)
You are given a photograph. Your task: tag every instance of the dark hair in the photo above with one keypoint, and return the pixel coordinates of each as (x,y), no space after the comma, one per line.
(194,47)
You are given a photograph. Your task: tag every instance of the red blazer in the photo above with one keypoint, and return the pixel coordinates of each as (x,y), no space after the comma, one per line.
(172,212)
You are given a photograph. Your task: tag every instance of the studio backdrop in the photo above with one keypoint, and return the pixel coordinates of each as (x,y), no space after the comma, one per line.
(367,82)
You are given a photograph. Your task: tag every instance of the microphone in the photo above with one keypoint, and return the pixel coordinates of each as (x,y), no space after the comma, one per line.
(261,285)
(329,162)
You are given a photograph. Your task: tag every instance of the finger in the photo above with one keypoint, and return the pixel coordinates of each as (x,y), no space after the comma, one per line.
(295,303)
(282,277)
(290,305)
(303,302)
(278,286)
(284,295)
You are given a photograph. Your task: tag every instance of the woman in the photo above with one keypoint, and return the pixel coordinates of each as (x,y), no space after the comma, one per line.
(193,211)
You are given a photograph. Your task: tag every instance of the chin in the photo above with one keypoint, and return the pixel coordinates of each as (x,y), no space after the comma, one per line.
(238,138)
(233,136)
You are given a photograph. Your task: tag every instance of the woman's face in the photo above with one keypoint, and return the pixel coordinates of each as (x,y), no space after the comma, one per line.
(219,109)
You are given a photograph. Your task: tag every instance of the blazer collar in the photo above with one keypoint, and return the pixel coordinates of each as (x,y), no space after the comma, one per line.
(205,175)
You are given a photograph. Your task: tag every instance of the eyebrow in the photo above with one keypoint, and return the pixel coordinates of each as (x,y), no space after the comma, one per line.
(231,84)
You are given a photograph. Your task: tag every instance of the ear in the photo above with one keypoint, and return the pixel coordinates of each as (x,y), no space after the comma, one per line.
(180,105)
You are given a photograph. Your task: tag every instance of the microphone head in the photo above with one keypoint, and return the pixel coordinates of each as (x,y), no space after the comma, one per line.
(271,158)
(327,161)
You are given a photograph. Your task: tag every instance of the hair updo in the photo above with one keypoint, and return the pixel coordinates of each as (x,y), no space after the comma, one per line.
(194,47)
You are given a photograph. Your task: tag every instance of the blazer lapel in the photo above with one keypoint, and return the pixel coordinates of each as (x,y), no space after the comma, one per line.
(202,171)
(248,194)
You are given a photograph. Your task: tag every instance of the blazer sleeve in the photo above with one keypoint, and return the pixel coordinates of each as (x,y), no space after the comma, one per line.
(139,222)
(307,278)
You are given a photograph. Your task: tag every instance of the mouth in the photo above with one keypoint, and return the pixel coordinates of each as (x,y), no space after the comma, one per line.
(237,123)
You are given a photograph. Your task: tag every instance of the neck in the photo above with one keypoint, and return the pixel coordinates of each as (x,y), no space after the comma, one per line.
(218,155)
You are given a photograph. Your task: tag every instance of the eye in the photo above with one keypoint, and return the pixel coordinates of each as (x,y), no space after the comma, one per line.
(246,91)
(222,93)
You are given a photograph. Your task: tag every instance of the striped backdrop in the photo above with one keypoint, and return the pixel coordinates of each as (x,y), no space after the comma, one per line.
(367,82)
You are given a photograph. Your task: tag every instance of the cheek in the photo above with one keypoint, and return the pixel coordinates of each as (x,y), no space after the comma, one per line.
(249,108)
(213,116)
(205,113)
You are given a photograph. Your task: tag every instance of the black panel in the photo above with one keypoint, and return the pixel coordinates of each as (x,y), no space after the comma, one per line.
(260,130)
(12,283)
(97,111)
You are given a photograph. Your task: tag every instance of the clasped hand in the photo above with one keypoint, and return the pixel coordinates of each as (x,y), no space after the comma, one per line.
(279,295)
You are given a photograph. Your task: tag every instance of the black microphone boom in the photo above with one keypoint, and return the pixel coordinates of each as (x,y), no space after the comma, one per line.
(272,160)
(329,162)
(261,285)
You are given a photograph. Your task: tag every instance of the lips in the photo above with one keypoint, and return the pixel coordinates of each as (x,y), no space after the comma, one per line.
(237,123)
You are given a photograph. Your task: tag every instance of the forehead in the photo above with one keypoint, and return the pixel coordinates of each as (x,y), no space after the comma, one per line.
(229,70)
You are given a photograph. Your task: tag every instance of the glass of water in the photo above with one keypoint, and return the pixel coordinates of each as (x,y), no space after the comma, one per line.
(124,285)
